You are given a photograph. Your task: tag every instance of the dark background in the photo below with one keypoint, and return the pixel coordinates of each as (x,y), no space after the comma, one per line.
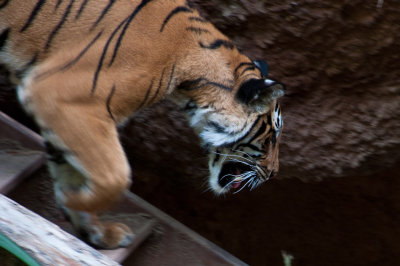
(336,200)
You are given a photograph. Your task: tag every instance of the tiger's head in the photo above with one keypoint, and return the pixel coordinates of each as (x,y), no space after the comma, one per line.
(250,157)
(240,129)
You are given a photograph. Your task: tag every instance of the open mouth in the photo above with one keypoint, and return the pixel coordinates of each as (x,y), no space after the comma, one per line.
(232,174)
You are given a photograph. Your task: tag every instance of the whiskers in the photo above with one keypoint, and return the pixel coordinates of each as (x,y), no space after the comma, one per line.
(234,156)
(251,183)
(242,177)
(206,187)
(237,191)
(250,177)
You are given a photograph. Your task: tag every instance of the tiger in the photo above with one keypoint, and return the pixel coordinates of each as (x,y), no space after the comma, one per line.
(83,68)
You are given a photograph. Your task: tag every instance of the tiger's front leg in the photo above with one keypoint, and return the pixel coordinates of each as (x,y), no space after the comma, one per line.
(86,224)
(87,162)
(79,198)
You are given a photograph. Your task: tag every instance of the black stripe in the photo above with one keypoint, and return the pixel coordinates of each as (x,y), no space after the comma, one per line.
(217,44)
(101,60)
(242,64)
(4,37)
(251,129)
(147,94)
(177,10)
(217,156)
(82,53)
(4,3)
(248,145)
(200,83)
(83,5)
(109,102)
(219,85)
(33,14)
(278,122)
(158,88)
(197,30)
(245,135)
(250,68)
(58,4)
(121,36)
(59,25)
(253,75)
(20,72)
(218,128)
(229,144)
(273,138)
(189,84)
(259,132)
(105,10)
(198,19)
(73,61)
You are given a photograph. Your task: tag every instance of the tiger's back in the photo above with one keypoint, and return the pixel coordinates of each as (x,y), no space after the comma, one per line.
(109,44)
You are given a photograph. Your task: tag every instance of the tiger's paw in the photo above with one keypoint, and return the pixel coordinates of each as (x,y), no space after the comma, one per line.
(110,236)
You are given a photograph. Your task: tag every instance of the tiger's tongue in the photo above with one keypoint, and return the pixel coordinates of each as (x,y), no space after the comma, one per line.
(237,184)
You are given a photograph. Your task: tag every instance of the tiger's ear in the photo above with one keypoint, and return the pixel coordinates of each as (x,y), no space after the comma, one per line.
(262,66)
(257,94)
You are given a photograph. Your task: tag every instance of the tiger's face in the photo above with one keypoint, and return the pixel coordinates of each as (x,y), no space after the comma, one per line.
(252,159)
(241,132)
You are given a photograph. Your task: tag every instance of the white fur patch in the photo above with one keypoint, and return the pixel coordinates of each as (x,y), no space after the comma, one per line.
(231,133)
(198,118)
(268,82)
(214,174)
(51,137)
(216,138)
(207,133)
(25,98)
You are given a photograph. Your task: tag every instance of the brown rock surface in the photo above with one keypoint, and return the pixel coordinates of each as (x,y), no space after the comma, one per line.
(340,62)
